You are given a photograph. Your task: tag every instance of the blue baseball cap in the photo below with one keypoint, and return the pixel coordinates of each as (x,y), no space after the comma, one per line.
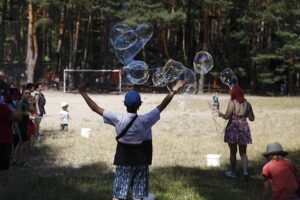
(132,98)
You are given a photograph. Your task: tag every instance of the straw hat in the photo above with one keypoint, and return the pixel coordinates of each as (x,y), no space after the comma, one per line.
(64,104)
(275,149)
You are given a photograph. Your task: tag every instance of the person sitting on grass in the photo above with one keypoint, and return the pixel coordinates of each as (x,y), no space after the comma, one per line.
(134,137)
(280,175)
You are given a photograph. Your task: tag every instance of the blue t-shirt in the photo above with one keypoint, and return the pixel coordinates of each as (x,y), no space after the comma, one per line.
(139,131)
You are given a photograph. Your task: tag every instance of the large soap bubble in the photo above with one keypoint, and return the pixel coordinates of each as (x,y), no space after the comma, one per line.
(137,72)
(190,87)
(116,31)
(158,78)
(228,78)
(126,40)
(172,69)
(203,62)
(145,32)
(127,43)
(234,81)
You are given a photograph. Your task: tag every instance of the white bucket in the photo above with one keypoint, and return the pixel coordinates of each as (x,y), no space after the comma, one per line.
(150,197)
(85,132)
(213,160)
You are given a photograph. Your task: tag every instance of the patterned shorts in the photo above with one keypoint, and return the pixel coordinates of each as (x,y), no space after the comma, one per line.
(134,177)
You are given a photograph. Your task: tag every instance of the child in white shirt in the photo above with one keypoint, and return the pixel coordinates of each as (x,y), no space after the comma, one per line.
(64,116)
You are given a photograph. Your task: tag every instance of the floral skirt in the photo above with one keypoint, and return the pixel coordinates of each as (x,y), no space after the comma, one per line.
(238,131)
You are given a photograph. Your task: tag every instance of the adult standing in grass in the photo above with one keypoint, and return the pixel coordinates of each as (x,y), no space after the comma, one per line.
(40,102)
(280,175)
(237,131)
(7,116)
(134,137)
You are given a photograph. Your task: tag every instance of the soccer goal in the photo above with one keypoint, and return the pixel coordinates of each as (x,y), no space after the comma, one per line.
(98,81)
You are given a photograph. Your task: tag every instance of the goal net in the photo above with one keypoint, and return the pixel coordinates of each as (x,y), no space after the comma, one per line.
(98,81)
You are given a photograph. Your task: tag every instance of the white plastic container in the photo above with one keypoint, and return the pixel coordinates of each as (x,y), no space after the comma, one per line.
(213,160)
(150,197)
(85,132)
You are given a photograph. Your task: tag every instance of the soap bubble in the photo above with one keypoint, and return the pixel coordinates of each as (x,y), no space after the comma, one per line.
(172,69)
(127,43)
(203,62)
(190,87)
(158,78)
(137,72)
(227,76)
(126,40)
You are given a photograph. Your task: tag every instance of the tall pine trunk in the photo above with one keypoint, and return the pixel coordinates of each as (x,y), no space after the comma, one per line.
(74,42)
(60,44)
(2,32)
(32,47)
(204,48)
(87,39)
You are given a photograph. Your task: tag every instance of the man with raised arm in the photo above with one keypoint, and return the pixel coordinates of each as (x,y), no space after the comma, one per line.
(134,137)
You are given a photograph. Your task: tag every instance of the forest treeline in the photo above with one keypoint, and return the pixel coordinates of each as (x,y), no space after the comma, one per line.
(258,39)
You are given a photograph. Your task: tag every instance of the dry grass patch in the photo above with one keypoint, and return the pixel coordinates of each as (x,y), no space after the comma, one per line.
(68,166)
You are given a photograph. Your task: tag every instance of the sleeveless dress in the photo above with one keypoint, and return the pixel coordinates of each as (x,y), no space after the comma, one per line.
(237,130)
(42,103)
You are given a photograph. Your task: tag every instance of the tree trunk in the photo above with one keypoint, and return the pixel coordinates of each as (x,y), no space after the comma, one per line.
(184,44)
(2,32)
(165,43)
(32,47)
(204,48)
(74,43)
(253,54)
(87,40)
(291,78)
(59,50)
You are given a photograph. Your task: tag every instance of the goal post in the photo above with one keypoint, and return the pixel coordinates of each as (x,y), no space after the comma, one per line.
(96,79)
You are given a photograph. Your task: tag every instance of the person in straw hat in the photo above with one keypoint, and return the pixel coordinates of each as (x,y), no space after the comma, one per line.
(280,175)
(64,116)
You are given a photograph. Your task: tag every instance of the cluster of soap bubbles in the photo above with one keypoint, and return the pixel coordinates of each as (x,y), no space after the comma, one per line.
(173,71)
(228,78)
(127,43)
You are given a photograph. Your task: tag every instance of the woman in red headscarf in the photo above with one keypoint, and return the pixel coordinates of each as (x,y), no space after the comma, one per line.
(237,131)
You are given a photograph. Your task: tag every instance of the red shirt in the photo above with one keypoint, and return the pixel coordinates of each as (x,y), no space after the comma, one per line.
(282,177)
(6,133)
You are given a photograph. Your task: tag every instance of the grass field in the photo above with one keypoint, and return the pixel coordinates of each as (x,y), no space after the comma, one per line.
(68,166)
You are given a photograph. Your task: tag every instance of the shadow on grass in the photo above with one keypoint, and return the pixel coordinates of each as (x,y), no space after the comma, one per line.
(46,181)
(177,182)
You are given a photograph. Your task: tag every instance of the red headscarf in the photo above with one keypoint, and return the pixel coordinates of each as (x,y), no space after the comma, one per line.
(238,94)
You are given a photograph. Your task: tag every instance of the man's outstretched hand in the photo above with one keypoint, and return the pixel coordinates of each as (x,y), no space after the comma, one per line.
(82,88)
(179,85)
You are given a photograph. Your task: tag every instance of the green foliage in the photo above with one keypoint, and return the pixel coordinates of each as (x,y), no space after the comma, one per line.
(44,22)
(247,36)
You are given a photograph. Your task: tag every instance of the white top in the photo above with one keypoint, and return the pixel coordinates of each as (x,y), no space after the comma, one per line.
(64,116)
(140,129)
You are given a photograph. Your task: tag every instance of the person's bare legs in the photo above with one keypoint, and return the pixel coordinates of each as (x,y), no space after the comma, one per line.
(244,158)
(233,151)
(37,122)
(17,153)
